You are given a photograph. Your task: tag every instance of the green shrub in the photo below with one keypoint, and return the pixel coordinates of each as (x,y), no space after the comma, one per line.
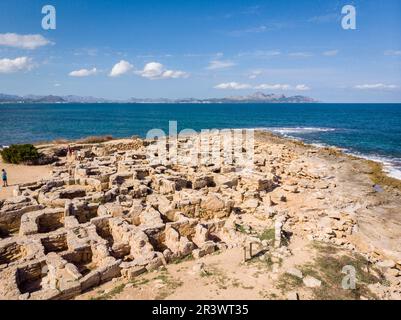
(267,234)
(20,153)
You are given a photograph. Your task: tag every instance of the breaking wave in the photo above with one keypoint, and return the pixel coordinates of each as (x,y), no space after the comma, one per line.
(391,166)
(297,130)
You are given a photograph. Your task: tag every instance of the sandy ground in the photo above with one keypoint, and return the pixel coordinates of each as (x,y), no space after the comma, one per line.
(18,174)
(224,276)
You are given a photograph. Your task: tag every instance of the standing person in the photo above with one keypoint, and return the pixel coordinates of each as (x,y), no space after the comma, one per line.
(69,151)
(4,177)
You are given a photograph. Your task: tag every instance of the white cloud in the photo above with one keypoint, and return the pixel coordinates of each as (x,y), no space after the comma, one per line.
(233,85)
(175,74)
(375,86)
(326,18)
(155,70)
(219,64)
(266,86)
(257,29)
(83,72)
(330,53)
(29,41)
(198,55)
(392,53)
(263,86)
(251,10)
(92,52)
(254,74)
(120,68)
(260,53)
(300,54)
(302,87)
(152,70)
(15,65)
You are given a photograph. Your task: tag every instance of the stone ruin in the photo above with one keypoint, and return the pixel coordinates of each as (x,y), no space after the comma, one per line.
(112,213)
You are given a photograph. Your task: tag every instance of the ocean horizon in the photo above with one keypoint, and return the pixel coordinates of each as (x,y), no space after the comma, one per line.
(306,206)
(369,130)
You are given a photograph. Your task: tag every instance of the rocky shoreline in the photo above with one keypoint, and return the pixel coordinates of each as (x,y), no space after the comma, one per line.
(108,213)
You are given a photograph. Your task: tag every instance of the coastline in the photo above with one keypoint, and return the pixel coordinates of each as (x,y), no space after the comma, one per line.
(385,163)
(378,170)
(320,200)
(382,171)
(381,162)
(350,126)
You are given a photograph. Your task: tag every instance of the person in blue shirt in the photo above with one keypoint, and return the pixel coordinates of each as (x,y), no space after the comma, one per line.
(4,177)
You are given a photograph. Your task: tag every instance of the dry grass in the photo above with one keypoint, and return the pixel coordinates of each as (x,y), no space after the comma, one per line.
(288,282)
(381,178)
(179,260)
(327,267)
(170,285)
(263,262)
(109,295)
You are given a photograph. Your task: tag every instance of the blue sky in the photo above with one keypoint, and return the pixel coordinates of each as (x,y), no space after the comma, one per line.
(122,49)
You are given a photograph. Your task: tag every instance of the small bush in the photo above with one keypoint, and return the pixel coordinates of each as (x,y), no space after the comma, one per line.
(267,234)
(20,153)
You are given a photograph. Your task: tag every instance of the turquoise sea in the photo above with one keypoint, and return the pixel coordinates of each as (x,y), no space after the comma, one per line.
(369,130)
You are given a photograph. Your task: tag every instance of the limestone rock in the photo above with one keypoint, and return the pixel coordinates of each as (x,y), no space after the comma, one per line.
(311,282)
(295,272)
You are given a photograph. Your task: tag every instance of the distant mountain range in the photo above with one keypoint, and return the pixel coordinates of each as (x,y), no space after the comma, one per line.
(257,97)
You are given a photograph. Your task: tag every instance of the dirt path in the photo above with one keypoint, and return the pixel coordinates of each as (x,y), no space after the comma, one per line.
(21,174)
(225,276)
(222,276)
